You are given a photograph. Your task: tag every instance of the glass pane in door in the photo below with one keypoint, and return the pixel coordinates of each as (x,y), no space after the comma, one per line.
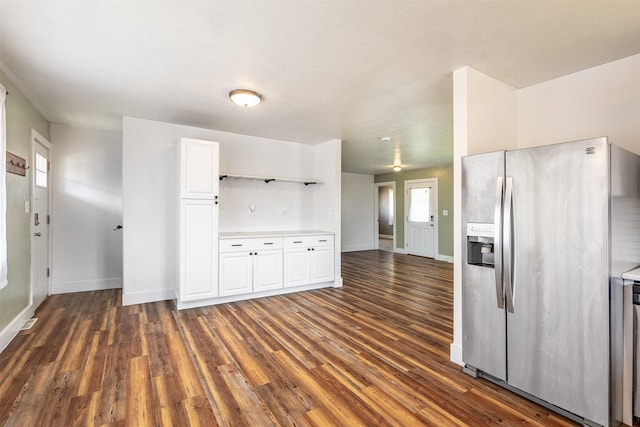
(419,204)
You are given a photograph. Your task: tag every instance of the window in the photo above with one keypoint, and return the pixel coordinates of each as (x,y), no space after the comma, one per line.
(419,204)
(41,171)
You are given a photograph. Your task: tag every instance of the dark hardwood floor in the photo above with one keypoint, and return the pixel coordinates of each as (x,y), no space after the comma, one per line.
(375,352)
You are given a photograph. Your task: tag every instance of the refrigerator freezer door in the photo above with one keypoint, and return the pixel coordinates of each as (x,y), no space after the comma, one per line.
(483,321)
(557,335)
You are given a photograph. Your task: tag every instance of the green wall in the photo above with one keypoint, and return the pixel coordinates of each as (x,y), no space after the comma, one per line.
(21,116)
(445,202)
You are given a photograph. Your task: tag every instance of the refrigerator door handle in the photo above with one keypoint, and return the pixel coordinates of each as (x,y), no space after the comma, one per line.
(508,244)
(497,241)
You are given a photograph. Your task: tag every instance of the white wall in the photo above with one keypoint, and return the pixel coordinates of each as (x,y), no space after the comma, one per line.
(600,101)
(358,214)
(149,195)
(86,204)
(484,119)
(328,203)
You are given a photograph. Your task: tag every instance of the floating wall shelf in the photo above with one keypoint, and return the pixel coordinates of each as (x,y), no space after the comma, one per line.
(268,179)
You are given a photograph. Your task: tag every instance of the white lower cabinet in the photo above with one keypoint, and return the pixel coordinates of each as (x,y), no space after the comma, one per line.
(308,260)
(250,265)
(198,247)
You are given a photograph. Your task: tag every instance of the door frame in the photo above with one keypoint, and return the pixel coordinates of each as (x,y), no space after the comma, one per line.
(376,213)
(36,138)
(434,182)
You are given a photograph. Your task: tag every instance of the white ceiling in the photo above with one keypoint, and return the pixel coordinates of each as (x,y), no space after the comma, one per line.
(352,70)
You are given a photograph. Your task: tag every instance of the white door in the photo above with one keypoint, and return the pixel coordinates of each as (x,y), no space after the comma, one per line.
(236,273)
(296,267)
(322,263)
(40,220)
(267,270)
(420,209)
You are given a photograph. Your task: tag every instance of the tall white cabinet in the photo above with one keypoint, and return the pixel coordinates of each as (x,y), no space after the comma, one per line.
(198,176)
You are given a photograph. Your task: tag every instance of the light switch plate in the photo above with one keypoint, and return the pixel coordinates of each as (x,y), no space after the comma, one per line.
(27,206)
(445,213)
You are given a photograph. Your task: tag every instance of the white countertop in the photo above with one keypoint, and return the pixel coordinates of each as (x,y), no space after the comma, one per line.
(249,234)
(632,275)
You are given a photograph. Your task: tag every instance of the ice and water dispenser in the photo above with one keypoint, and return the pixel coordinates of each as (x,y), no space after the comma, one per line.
(480,244)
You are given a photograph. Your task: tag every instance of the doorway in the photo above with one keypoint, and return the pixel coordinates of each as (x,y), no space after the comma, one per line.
(385,214)
(421,219)
(40,204)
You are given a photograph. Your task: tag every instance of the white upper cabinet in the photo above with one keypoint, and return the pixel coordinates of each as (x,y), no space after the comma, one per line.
(199,171)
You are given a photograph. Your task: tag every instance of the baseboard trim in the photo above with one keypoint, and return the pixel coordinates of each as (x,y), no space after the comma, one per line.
(148,296)
(445,258)
(400,251)
(13,328)
(243,297)
(455,353)
(86,285)
(357,248)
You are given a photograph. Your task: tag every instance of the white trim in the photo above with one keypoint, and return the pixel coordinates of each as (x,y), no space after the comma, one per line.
(86,285)
(376,212)
(436,225)
(254,295)
(13,328)
(36,138)
(455,354)
(358,248)
(148,296)
(400,251)
(446,258)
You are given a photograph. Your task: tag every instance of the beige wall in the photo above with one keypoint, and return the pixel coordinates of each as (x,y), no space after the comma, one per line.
(445,202)
(21,116)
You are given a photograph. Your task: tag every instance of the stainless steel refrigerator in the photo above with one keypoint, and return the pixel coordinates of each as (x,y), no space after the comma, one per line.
(545,229)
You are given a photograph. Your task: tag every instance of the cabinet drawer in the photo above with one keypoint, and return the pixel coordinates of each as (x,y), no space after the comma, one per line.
(254,244)
(308,241)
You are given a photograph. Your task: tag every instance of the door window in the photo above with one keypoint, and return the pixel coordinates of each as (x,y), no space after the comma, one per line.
(419,204)
(41,171)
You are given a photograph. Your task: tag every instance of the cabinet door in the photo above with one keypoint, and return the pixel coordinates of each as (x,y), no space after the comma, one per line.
(198,250)
(322,264)
(267,270)
(236,271)
(296,267)
(199,169)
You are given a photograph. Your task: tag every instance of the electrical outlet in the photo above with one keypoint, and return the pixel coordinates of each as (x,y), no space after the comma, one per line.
(281,210)
(445,213)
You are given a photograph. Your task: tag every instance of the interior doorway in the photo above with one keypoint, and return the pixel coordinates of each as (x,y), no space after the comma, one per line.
(385,214)
(40,205)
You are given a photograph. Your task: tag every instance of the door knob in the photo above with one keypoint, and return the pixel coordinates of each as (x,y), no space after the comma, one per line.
(38,234)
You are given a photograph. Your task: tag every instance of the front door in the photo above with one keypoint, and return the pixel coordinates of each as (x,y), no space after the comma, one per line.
(420,208)
(40,221)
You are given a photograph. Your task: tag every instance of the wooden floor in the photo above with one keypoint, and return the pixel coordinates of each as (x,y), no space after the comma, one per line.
(375,352)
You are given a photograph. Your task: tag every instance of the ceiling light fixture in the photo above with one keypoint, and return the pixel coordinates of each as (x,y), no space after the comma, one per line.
(397,168)
(245,97)
(386,138)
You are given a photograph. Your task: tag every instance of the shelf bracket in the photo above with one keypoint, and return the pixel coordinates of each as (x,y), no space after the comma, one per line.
(268,180)
(310,182)
(223,177)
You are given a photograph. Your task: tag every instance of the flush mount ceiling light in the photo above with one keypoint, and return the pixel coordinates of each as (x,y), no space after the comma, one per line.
(385,139)
(245,97)
(397,168)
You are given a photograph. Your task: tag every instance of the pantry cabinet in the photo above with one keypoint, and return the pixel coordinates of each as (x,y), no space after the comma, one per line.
(197,220)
